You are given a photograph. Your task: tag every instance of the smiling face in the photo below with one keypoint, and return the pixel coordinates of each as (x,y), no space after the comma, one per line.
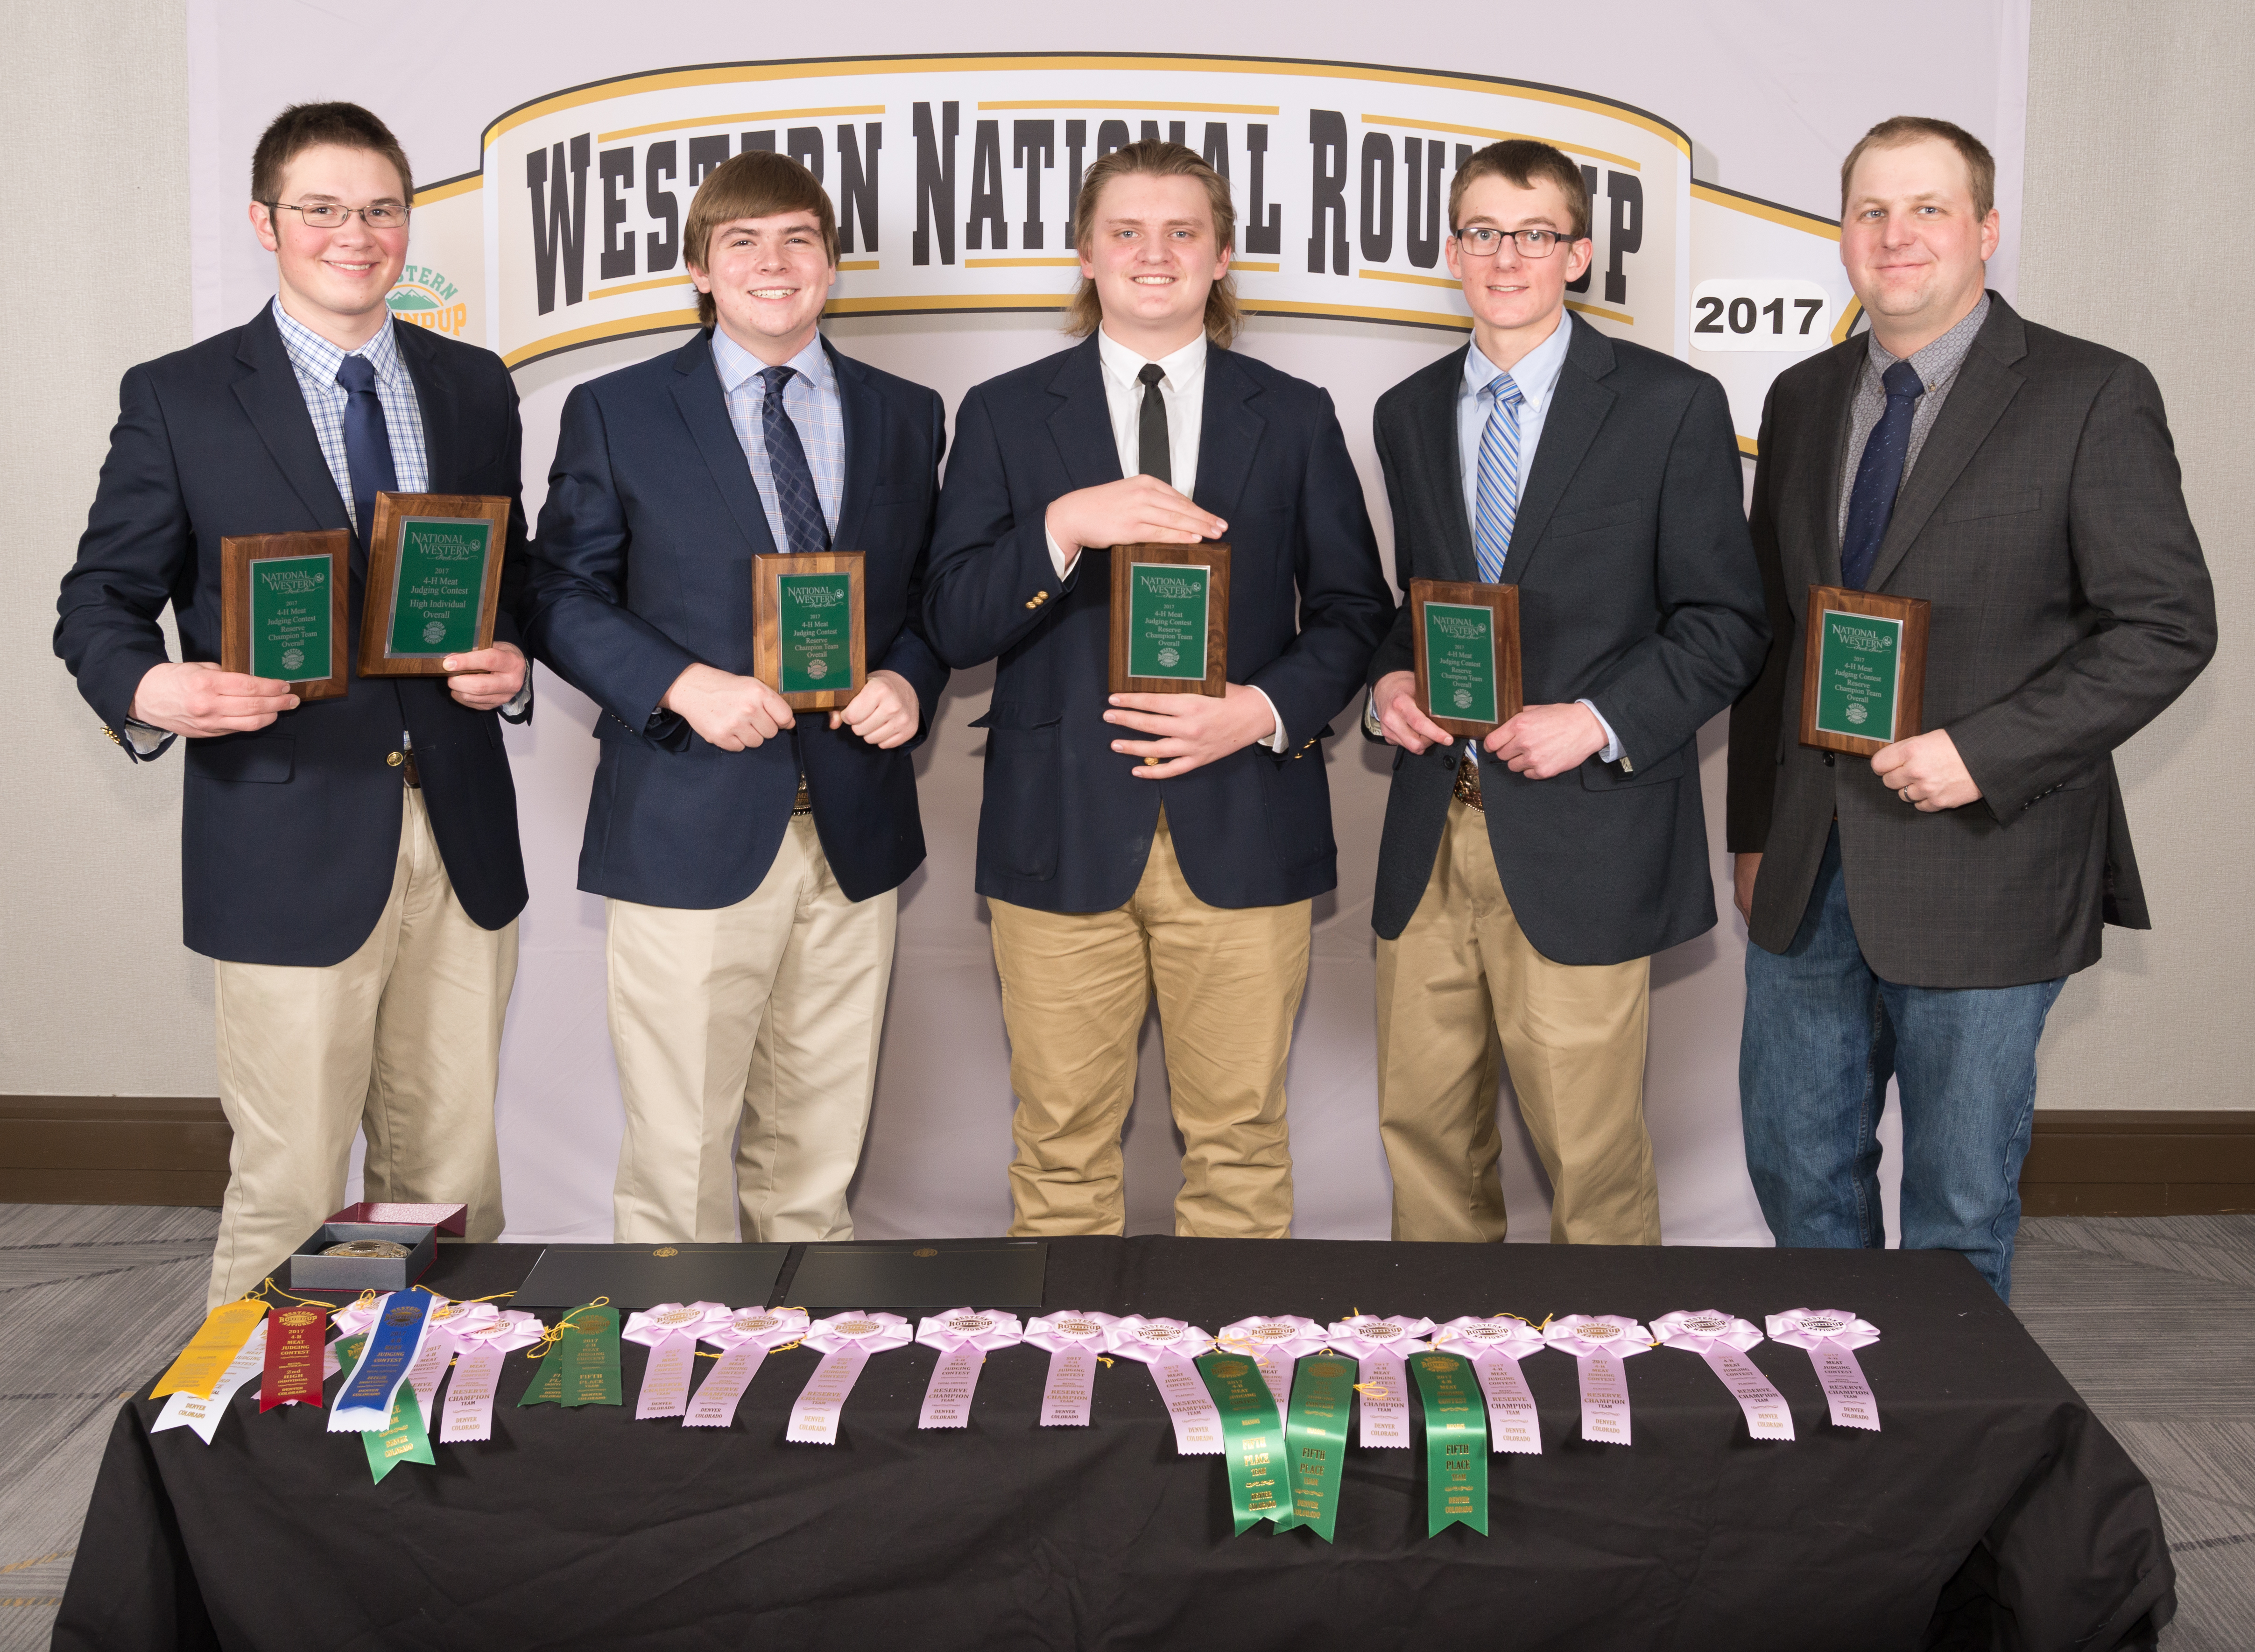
(769,278)
(1153,256)
(334,281)
(1516,300)
(1914,248)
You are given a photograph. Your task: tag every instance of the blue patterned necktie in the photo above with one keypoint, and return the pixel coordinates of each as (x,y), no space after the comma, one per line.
(1499,477)
(794,482)
(1878,473)
(367,443)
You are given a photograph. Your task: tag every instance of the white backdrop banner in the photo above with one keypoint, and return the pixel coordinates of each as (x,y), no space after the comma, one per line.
(575,141)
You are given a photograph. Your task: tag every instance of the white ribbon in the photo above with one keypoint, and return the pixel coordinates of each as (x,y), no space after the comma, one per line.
(482,1347)
(845,1341)
(1831,1335)
(182,1410)
(1168,1346)
(1073,1337)
(669,1330)
(1273,1342)
(1723,1340)
(1377,1345)
(1495,1347)
(1600,1342)
(745,1339)
(963,1337)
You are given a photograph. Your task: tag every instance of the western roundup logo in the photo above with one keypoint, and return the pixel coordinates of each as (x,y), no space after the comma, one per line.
(953,177)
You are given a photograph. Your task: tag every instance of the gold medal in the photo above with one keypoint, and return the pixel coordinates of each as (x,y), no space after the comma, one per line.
(367,1247)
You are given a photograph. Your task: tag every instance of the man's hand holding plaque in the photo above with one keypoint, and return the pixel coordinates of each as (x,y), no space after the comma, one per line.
(433,590)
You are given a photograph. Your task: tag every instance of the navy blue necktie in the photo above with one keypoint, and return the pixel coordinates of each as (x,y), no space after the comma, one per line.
(1878,473)
(794,482)
(367,443)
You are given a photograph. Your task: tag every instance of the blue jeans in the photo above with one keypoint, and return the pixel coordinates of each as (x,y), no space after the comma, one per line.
(1823,1034)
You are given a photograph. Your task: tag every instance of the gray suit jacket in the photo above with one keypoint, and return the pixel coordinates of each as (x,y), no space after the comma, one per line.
(1637,592)
(2045,523)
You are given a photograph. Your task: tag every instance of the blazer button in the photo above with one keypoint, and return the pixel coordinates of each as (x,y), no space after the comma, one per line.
(395,759)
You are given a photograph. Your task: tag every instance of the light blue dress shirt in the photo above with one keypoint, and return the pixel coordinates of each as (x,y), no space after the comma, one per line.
(810,399)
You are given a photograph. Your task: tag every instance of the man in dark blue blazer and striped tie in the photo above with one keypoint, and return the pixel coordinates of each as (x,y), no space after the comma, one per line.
(750,858)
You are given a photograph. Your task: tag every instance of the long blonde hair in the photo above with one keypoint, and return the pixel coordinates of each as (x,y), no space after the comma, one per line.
(1155,157)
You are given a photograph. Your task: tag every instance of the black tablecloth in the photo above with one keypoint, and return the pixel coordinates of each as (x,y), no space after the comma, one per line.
(1992,1510)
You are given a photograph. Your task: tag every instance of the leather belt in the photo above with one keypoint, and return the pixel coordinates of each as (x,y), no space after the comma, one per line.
(1468,787)
(802,804)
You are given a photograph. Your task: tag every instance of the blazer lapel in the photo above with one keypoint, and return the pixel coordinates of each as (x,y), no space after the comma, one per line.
(1229,434)
(269,396)
(1081,423)
(1578,406)
(1985,388)
(704,410)
(865,447)
(1432,419)
(442,443)
(1819,539)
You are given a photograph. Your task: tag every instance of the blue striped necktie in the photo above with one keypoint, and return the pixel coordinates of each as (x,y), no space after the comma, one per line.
(1499,477)
(368,444)
(800,505)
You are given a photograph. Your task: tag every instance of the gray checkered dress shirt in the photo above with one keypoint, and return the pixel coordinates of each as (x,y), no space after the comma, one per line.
(316,361)
(1936,366)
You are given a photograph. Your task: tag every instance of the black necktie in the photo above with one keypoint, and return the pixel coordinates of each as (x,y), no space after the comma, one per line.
(1878,473)
(1151,438)
(801,506)
(367,443)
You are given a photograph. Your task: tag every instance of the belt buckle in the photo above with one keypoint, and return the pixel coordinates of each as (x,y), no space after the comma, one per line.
(1468,784)
(802,804)
(408,772)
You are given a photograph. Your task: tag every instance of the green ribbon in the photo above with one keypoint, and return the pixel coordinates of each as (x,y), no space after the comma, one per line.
(1252,1438)
(1456,1442)
(1314,1440)
(406,1441)
(581,1368)
(348,1352)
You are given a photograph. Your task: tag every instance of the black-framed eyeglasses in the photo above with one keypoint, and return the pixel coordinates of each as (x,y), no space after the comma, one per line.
(1484,242)
(329,214)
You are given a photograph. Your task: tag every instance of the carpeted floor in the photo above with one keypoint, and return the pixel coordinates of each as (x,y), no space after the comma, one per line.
(2153,1319)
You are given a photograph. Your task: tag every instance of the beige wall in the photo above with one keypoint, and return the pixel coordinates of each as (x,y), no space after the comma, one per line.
(2133,120)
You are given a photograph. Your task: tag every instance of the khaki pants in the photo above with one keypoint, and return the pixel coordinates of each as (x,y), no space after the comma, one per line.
(402,1041)
(746,1041)
(1075,987)
(1463,986)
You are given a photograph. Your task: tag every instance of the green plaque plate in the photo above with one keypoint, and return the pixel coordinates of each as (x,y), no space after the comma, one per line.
(439,586)
(1166,607)
(1857,669)
(1460,661)
(814,631)
(290,610)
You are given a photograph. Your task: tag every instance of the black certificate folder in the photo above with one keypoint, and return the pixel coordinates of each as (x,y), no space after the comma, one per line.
(921,1275)
(637,1277)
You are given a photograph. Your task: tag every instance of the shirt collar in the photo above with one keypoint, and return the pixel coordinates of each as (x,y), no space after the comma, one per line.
(1182,368)
(1536,373)
(316,358)
(735,364)
(1936,363)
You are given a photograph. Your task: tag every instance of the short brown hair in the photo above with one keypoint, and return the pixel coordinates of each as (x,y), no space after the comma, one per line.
(1155,157)
(1899,131)
(304,126)
(1520,161)
(757,184)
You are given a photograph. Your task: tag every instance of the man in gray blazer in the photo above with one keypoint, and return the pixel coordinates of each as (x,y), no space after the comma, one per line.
(1916,915)
(1525,880)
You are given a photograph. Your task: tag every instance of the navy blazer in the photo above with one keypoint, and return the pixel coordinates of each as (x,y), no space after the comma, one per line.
(644,569)
(290,833)
(1065,826)
(1638,591)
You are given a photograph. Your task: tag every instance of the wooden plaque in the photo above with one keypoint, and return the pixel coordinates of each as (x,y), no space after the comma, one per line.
(809,639)
(1863,671)
(433,580)
(284,602)
(1170,619)
(1466,640)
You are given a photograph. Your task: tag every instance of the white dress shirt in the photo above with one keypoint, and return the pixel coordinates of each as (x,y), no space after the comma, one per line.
(1182,392)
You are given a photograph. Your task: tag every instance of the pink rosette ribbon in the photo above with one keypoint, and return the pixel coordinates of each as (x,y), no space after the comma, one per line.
(1495,1345)
(845,1341)
(1831,1335)
(963,1338)
(1274,1341)
(481,1347)
(1168,1346)
(1723,1340)
(1378,1344)
(669,1330)
(443,1327)
(1074,1339)
(745,1337)
(1600,1342)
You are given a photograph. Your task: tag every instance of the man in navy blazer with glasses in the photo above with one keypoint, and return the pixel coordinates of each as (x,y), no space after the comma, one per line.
(750,858)
(1139,839)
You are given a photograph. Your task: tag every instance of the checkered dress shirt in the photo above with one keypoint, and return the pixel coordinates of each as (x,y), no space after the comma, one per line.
(812,401)
(316,361)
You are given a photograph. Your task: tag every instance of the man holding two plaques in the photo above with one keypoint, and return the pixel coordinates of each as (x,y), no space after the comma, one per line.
(1525,878)
(348,844)
(1132,836)
(731,528)
(2007,497)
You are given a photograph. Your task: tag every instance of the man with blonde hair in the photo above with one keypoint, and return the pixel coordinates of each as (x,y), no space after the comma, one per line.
(1134,839)
(750,858)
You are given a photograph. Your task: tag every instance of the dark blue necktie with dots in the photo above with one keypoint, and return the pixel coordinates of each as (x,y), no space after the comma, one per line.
(794,482)
(1878,473)
(367,443)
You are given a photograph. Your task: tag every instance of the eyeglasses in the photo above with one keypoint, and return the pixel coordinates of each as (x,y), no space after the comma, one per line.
(1482,241)
(327,214)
